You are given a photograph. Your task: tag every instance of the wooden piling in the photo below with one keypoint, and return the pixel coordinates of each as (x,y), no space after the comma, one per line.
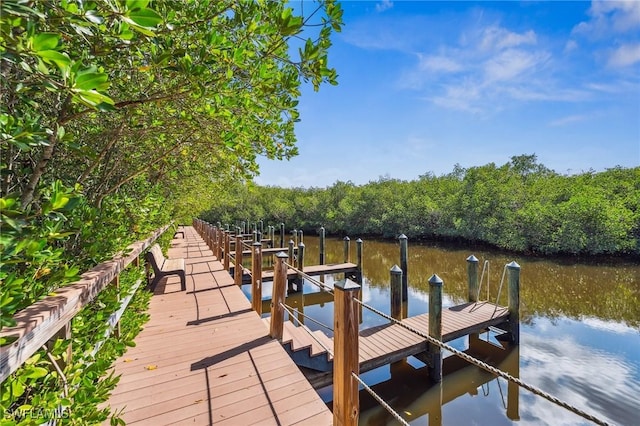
(359,260)
(278,296)
(227,248)
(291,261)
(396,292)
(404,265)
(346,404)
(435,326)
(256,277)
(282,235)
(300,279)
(513,272)
(472,278)
(237,272)
(322,245)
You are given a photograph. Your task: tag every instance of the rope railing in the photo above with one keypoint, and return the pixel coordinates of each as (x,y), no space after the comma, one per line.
(381,401)
(487,367)
(311,279)
(290,310)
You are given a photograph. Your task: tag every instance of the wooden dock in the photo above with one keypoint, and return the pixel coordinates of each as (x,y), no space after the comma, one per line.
(206,358)
(388,343)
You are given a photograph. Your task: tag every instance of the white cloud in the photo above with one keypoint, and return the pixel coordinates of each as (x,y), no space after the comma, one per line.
(512,63)
(497,38)
(438,63)
(625,55)
(384,5)
(570,119)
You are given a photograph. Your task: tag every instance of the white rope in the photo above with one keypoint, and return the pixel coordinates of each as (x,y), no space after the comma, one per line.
(312,280)
(489,368)
(380,400)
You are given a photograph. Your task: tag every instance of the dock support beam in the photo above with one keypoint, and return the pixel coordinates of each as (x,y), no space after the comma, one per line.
(472,278)
(278,296)
(346,404)
(256,277)
(435,327)
(513,271)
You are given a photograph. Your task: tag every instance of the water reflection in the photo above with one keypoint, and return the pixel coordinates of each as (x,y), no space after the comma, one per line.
(580,337)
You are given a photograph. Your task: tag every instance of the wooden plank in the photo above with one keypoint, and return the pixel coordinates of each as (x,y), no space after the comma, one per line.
(212,360)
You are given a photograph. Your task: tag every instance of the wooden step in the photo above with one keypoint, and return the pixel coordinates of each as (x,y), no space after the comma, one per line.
(326,340)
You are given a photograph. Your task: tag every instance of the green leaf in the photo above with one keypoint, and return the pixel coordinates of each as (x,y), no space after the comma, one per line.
(146,18)
(91,80)
(51,56)
(45,41)
(36,373)
(92,98)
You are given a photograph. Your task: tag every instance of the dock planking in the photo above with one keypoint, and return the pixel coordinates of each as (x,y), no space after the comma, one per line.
(205,358)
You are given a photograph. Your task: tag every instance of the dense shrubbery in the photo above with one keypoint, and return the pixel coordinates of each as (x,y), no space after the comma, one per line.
(115,118)
(520,206)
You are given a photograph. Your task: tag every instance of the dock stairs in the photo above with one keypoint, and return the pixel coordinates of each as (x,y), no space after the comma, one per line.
(304,349)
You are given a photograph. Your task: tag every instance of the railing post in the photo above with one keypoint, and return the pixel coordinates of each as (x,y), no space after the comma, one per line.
(513,271)
(278,296)
(404,265)
(261,226)
(256,277)
(294,237)
(242,226)
(322,246)
(116,283)
(281,234)
(346,404)
(300,236)
(64,334)
(220,243)
(214,241)
(396,292)
(237,277)
(291,255)
(359,260)
(472,277)
(435,326)
(227,245)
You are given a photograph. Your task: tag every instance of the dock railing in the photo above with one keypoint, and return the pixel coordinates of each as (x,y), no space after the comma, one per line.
(50,319)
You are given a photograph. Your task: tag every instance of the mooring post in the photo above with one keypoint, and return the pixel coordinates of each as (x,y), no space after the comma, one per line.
(282,234)
(242,224)
(256,277)
(435,326)
(278,296)
(513,271)
(300,279)
(227,249)
(472,277)
(261,226)
(404,265)
(255,236)
(396,292)
(322,236)
(347,249)
(359,260)
(237,276)
(294,237)
(346,404)
(291,255)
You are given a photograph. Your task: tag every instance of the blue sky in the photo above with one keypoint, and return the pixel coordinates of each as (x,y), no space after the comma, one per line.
(424,85)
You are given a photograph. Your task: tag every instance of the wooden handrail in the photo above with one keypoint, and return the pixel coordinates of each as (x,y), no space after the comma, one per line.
(39,322)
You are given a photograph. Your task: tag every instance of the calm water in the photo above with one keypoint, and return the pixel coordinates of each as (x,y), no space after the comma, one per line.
(579,339)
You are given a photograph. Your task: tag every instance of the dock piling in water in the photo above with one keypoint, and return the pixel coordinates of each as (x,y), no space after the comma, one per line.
(435,326)
(322,245)
(472,277)
(513,271)
(396,292)
(404,265)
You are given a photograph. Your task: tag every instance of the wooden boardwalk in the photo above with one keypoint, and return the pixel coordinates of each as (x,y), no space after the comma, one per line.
(206,358)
